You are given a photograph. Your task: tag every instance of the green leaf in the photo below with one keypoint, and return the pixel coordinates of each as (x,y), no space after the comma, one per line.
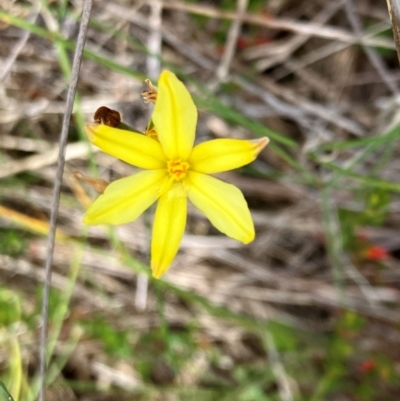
(4,394)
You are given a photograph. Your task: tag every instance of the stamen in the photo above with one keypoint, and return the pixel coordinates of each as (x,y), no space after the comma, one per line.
(149,96)
(151,133)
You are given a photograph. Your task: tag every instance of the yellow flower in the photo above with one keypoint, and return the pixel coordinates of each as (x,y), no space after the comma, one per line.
(174,171)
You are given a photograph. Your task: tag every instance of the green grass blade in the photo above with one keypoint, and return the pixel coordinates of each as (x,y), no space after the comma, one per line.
(356,143)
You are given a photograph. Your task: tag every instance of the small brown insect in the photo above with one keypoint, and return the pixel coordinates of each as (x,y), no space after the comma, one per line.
(108,117)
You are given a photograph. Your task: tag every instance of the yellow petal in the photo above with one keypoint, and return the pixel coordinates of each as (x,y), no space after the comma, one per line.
(168,229)
(131,147)
(225,154)
(174,117)
(223,204)
(126,199)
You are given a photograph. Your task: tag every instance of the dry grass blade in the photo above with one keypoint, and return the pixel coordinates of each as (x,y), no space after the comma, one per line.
(45,158)
(394,12)
(373,56)
(17,49)
(316,30)
(232,37)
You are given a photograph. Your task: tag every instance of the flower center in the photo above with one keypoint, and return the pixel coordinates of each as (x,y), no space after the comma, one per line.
(177,169)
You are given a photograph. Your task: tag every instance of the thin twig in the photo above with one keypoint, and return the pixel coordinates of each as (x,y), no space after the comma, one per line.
(394,12)
(44,159)
(233,33)
(279,53)
(57,188)
(17,50)
(371,53)
(322,52)
(184,48)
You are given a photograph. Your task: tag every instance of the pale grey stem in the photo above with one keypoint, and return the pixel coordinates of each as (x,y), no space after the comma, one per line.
(153,70)
(154,40)
(57,189)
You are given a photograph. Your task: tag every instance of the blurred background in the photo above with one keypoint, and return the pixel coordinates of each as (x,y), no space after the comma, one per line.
(310,309)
